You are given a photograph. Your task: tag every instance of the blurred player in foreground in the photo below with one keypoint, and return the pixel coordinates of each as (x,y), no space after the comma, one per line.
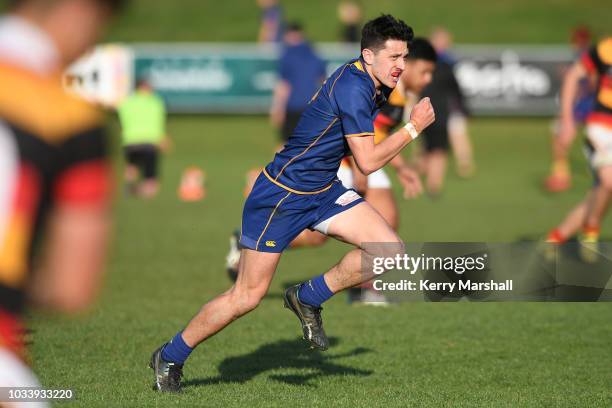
(560,176)
(376,187)
(54,170)
(299,189)
(143,125)
(588,215)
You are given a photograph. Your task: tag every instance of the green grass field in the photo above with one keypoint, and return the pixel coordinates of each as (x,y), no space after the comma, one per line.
(472,21)
(168,258)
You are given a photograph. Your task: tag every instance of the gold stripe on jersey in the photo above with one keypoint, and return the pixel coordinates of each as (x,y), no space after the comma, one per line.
(397,97)
(380,134)
(358,65)
(284,187)
(13,252)
(42,107)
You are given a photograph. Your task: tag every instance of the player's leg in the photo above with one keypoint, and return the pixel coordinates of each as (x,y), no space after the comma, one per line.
(308,238)
(595,212)
(271,219)
(436,156)
(600,141)
(149,187)
(600,158)
(380,196)
(256,270)
(131,172)
(461,144)
(598,205)
(356,225)
(436,162)
(559,178)
(573,221)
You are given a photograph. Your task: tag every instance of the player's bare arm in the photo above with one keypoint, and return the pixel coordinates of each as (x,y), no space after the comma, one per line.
(370,157)
(569,90)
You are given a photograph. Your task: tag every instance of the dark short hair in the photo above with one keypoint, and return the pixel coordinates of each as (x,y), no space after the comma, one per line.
(386,27)
(420,48)
(143,81)
(113,5)
(295,26)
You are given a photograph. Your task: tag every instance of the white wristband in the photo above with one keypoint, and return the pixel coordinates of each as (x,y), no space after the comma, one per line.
(411,130)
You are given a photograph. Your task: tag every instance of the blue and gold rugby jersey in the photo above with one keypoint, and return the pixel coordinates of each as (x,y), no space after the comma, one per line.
(345,106)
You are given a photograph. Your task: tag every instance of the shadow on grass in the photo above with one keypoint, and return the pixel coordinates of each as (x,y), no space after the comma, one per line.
(283,355)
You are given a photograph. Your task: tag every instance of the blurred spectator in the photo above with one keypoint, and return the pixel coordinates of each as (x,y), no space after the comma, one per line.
(54,170)
(301,73)
(447,98)
(272,22)
(143,122)
(350,15)
(560,176)
(442,41)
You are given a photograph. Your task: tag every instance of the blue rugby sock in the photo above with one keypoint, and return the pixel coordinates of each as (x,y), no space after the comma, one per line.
(314,292)
(176,350)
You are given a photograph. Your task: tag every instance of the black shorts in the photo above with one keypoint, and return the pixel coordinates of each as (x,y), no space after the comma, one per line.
(435,136)
(291,121)
(145,158)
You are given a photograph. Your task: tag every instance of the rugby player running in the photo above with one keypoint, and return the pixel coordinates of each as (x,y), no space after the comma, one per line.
(299,189)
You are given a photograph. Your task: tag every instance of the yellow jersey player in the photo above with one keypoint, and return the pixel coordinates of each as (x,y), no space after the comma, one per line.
(54,170)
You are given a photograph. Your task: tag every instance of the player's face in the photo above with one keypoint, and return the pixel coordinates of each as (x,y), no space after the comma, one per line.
(418,75)
(388,63)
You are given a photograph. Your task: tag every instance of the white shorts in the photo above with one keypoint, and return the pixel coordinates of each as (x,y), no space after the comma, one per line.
(14,373)
(378,179)
(600,138)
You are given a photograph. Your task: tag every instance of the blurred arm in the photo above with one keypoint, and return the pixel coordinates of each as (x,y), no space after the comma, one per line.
(279,102)
(569,91)
(76,241)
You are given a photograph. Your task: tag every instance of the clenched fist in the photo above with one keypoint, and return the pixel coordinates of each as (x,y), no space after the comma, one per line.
(422,115)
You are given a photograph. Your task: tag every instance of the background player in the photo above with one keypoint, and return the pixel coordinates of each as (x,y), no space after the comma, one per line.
(560,176)
(376,187)
(299,190)
(458,135)
(301,72)
(447,97)
(143,125)
(420,64)
(597,63)
(54,170)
